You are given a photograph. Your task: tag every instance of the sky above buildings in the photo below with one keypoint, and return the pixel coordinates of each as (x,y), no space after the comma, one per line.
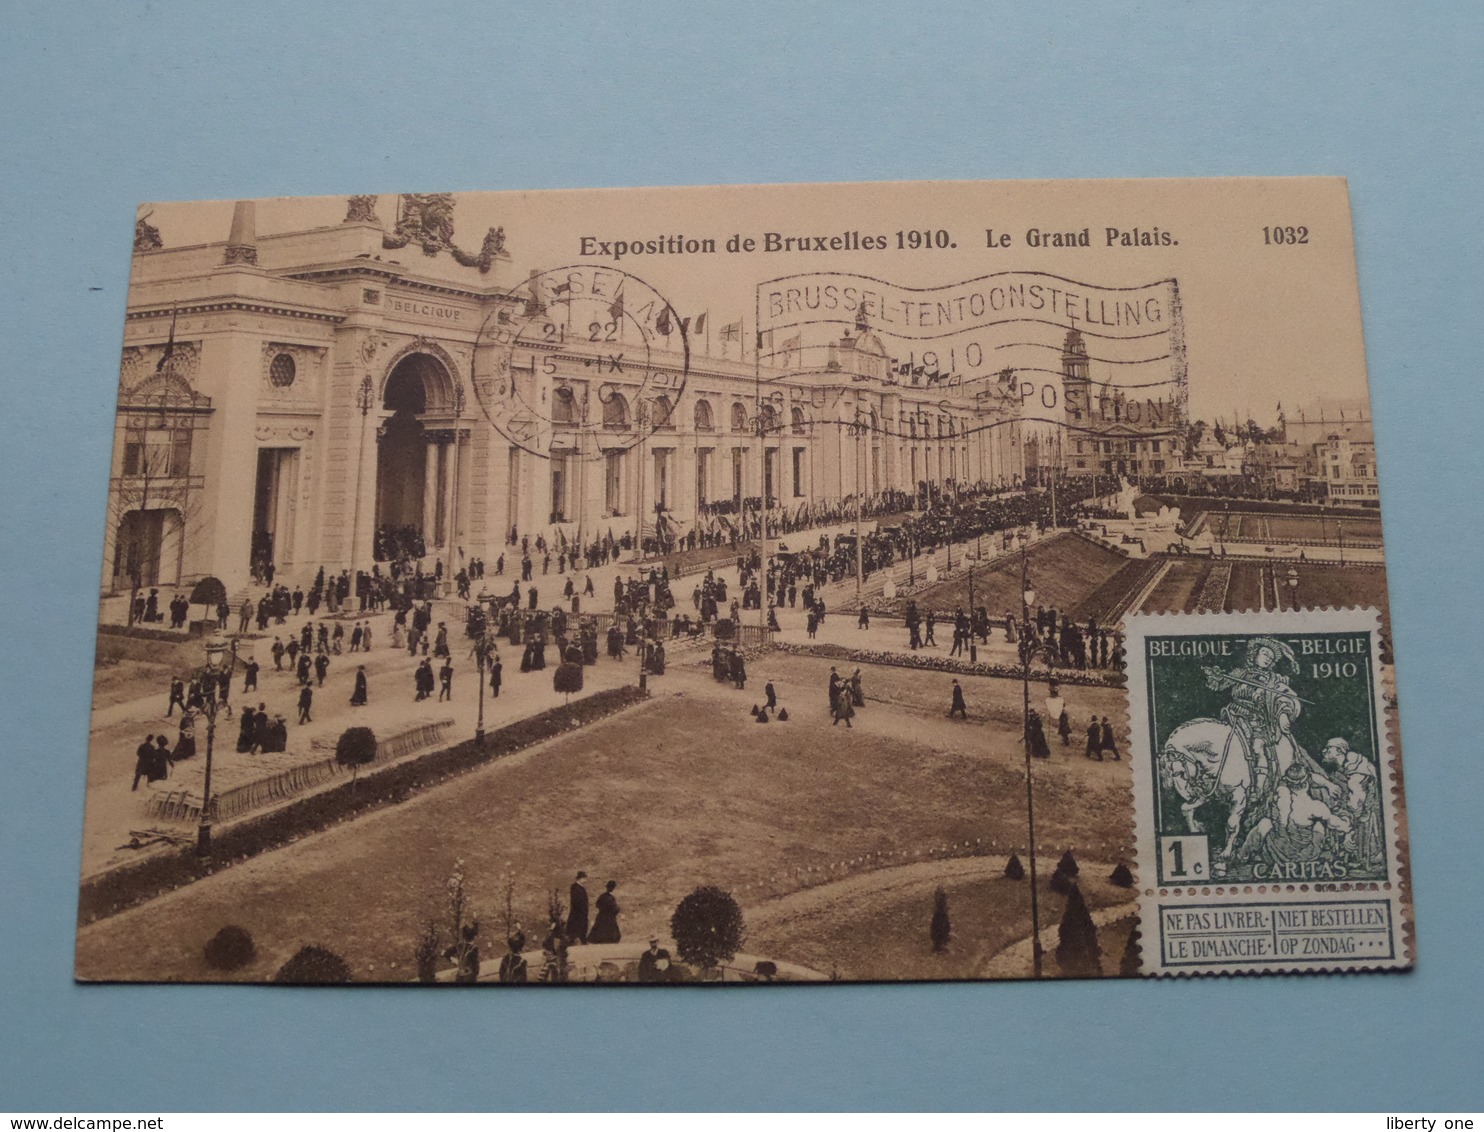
(1265,320)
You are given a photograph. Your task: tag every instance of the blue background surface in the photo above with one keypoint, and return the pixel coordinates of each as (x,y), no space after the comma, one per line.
(104,105)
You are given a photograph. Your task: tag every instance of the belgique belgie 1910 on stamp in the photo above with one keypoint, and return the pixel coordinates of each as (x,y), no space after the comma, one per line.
(1263,792)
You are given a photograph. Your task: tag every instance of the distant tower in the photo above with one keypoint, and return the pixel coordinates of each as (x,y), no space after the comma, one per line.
(1075,380)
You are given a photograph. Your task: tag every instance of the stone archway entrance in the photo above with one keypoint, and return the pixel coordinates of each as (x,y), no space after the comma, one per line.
(414,460)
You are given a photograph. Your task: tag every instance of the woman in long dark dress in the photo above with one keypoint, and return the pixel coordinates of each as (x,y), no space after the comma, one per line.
(605,924)
(185,745)
(1035,735)
(358,697)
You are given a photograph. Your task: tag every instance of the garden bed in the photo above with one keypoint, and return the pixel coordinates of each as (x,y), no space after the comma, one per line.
(112,892)
(1070,676)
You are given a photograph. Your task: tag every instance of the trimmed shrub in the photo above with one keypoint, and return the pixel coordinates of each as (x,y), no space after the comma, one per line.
(1077,950)
(707,926)
(1121,876)
(1061,883)
(1014,870)
(356,747)
(1067,864)
(230,948)
(313,965)
(567,678)
(941,929)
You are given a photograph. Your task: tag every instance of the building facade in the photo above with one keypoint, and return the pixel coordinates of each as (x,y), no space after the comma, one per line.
(1112,431)
(305,399)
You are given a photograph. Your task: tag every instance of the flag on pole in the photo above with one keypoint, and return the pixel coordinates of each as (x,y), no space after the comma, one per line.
(561,288)
(169,351)
(662,323)
(615,309)
(731,332)
(790,347)
(700,327)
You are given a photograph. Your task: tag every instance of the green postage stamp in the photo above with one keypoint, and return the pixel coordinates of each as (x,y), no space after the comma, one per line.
(1266,809)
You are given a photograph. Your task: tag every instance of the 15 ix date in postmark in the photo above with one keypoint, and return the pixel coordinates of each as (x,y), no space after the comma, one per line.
(1263,793)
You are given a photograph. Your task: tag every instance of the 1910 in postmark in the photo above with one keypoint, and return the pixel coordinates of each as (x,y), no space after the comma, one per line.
(1263,793)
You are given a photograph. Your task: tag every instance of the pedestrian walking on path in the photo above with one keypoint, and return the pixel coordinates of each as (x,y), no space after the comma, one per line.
(605,926)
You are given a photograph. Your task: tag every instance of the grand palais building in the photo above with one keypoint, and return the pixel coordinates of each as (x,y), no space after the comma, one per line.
(285,396)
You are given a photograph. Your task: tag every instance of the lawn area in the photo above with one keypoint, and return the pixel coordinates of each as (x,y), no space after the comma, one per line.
(1178,589)
(683,791)
(1245,591)
(1064,572)
(878,933)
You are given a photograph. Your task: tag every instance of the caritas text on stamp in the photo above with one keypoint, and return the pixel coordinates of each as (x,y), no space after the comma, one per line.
(1265,808)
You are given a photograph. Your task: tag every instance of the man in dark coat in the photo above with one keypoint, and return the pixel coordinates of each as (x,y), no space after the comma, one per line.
(144,760)
(654,964)
(321,666)
(358,697)
(306,701)
(246,729)
(958,707)
(177,696)
(1094,740)
(250,675)
(577,910)
(497,670)
(262,728)
(1108,742)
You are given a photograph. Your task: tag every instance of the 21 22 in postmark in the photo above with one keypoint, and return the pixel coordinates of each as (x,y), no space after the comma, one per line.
(1264,795)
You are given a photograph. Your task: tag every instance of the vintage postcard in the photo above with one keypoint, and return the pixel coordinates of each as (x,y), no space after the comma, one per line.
(458,544)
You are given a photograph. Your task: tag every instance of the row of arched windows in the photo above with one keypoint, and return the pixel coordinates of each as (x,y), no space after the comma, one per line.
(616,413)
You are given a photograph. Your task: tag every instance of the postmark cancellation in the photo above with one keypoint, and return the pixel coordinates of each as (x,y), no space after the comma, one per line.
(1267,814)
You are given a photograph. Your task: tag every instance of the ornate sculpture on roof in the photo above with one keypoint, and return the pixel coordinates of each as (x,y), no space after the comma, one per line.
(426,219)
(361,210)
(146,235)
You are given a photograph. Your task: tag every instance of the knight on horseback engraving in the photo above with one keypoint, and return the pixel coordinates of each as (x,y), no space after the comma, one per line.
(1287,815)
(1263,707)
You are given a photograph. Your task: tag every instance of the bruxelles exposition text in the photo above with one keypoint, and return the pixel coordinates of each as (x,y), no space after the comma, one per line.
(853,240)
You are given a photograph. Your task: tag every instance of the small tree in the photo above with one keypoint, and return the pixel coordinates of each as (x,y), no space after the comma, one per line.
(1067,864)
(941,929)
(1077,950)
(462,921)
(230,948)
(428,947)
(707,926)
(1014,870)
(1121,876)
(355,748)
(313,965)
(567,678)
(1131,962)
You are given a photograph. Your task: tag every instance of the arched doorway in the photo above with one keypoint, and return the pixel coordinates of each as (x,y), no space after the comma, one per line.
(414,459)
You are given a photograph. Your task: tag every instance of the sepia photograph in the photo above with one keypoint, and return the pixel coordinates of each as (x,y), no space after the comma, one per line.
(457,544)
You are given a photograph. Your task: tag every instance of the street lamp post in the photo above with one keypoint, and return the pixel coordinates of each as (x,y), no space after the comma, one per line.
(857,429)
(973,645)
(1027,599)
(207,680)
(1293,587)
(453,491)
(363,400)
